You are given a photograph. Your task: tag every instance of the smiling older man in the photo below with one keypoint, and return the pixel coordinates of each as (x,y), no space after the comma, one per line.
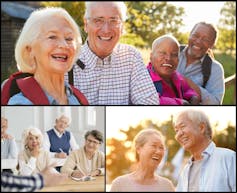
(211,168)
(112,73)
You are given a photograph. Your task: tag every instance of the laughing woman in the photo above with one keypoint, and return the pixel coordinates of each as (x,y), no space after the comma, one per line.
(149,147)
(47,48)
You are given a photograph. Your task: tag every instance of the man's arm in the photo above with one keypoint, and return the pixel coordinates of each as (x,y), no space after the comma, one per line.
(13,183)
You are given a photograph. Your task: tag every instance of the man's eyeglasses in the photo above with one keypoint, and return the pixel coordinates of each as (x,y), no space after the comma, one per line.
(100,22)
(92,141)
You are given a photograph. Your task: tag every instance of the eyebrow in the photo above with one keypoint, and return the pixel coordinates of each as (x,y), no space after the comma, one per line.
(179,125)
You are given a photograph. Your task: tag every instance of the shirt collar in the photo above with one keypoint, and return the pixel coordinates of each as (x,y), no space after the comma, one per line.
(156,77)
(206,153)
(57,133)
(183,54)
(68,91)
(92,60)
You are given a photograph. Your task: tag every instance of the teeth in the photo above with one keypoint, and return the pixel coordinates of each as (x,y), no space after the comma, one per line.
(60,56)
(156,158)
(105,38)
(167,65)
(197,47)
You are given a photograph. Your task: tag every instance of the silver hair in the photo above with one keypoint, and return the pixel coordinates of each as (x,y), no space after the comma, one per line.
(32,29)
(33,131)
(160,39)
(122,8)
(197,117)
(64,116)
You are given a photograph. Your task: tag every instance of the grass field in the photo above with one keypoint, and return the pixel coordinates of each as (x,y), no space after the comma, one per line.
(229,64)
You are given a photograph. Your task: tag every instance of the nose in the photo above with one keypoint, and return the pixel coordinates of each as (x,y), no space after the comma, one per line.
(106,26)
(168,57)
(62,43)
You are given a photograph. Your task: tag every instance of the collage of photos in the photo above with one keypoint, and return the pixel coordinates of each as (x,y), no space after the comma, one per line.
(118,96)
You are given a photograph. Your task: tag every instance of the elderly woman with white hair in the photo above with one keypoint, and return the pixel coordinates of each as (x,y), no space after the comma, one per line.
(149,149)
(47,48)
(33,158)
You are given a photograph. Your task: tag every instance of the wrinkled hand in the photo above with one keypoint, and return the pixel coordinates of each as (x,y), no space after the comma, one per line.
(78,174)
(95,173)
(52,177)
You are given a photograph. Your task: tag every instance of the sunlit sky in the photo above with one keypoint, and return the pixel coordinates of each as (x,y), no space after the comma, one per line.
(197,11)
(123,117)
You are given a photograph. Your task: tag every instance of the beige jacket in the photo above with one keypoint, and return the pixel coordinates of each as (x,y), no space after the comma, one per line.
(30,165)
(77,159)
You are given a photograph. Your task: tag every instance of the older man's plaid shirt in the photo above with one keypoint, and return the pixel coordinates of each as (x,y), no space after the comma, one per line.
(119,79)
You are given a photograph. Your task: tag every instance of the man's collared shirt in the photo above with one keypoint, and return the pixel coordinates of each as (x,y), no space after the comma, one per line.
(119,79)
(218,171)
(214,91)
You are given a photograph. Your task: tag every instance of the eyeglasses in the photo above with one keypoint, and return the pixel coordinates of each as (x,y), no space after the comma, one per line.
(202,39)
(163,54)
(100,22)
(91,141)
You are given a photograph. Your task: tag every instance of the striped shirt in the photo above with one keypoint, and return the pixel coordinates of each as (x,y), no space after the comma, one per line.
(12,183)
(119,79)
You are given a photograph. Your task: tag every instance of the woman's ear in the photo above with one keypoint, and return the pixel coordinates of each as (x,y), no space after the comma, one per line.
(28,57)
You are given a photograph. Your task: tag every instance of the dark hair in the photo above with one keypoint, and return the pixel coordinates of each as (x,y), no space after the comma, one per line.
(96,134)
(211,27)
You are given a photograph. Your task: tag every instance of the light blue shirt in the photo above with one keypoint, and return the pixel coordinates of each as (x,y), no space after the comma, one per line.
(20,99)
(8,149)
(214,91)
(218,171)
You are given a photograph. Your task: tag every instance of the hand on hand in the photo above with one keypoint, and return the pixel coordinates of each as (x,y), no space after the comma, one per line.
(78,174)
(95,173)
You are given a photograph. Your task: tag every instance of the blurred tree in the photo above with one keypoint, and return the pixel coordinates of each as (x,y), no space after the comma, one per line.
(226,138)
(227,27)
(75,8)
(150,20)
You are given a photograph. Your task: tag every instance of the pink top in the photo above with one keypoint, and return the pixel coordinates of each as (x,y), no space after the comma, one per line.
(126,183)
(168,96)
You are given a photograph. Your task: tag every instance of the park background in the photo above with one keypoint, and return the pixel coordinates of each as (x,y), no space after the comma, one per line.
(123,123)
(146,21)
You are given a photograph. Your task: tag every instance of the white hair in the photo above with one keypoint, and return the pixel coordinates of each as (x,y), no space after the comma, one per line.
(32,29)
(64,116)
(120,5)
(160,39)
(33,131)
(196,117)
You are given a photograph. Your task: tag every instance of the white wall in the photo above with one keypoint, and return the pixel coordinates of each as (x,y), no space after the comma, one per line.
(43,117)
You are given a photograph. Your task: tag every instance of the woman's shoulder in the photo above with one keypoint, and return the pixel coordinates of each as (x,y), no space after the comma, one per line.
(122,179)
(19,99)
(166,182)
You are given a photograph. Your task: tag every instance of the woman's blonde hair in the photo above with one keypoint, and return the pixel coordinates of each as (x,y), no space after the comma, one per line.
(33,131)
(32,29)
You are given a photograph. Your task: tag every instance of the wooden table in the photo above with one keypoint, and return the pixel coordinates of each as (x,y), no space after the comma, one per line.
(97,185)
